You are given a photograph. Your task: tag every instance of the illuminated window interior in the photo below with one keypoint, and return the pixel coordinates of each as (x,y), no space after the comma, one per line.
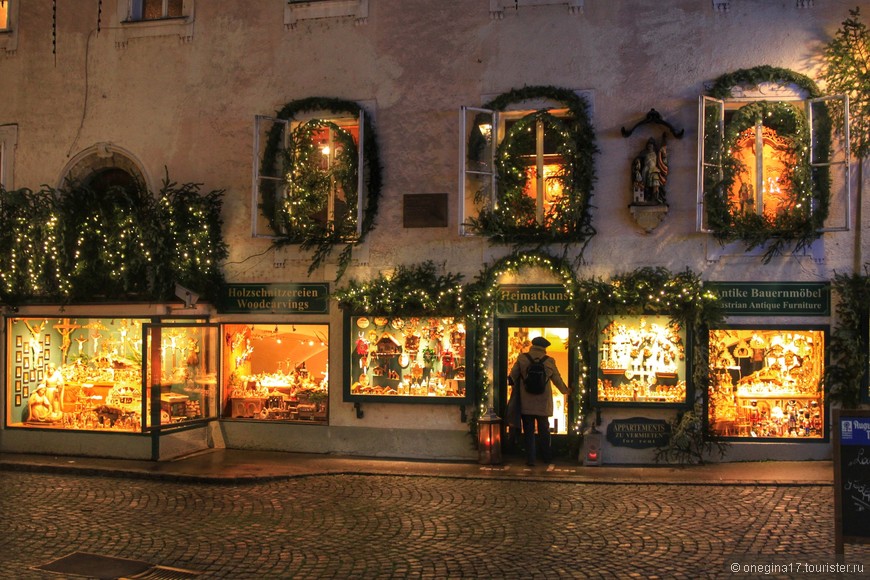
(767,383)
(155,9)
(763,185)
(4,15)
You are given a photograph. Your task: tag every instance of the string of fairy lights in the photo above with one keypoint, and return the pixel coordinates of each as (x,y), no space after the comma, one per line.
(420,290)
(58,245)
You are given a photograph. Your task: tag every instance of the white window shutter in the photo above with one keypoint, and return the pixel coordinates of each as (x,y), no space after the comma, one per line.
(836,108)
(477,177)
(267,179)
(361,175)
(711,136)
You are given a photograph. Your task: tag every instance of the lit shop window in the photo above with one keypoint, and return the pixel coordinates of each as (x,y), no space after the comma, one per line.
(516,165)
(75,373)
(641,359)
(767,383)
(276,372)
(407,357)
(308,179)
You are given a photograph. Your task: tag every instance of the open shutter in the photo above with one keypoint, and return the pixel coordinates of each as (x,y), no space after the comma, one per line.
(711,136)
(477,177)
(829,121)
(269,188)
(361,175)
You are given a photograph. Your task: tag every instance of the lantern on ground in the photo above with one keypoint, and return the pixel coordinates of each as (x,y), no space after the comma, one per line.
(489,438)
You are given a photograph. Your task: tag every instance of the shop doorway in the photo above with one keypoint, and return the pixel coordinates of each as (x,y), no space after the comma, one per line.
(515,337)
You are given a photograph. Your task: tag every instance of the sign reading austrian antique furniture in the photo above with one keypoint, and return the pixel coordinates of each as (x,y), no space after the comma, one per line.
(638,432)
(773,298)
(851,477)
(274,298)
(536,300)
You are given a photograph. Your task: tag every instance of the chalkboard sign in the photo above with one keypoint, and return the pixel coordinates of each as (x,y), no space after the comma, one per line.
(852,477)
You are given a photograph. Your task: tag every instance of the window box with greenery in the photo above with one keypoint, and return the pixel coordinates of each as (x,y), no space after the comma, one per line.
(316,177)
(527,168)
(768,163)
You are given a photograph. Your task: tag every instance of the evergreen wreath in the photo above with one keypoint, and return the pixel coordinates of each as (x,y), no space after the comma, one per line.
(512,220)
(810,187)
(307,183)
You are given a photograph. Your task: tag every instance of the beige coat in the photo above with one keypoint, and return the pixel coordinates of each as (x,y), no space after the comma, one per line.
(537,404)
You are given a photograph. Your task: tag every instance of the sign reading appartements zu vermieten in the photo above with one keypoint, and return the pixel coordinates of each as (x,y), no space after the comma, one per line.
(773,298)
(274,298)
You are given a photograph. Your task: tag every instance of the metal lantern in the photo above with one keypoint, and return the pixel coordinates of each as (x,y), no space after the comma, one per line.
(489,438)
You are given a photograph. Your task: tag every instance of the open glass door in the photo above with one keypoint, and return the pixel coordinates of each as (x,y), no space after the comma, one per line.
(180,373)
(516,339)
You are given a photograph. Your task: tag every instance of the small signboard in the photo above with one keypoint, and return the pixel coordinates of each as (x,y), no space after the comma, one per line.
(274,299)
(851,477)
(532,300)
(773,298)
(424,210)
(638,432)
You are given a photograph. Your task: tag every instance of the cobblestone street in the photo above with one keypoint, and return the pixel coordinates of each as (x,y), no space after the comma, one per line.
(364,526)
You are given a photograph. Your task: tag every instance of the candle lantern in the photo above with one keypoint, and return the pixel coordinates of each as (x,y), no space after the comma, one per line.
(489,438)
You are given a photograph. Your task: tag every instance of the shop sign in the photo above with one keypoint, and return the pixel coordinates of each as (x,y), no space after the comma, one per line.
(274,299)
(773,298)
(851,476)
(638,432)
(532,300)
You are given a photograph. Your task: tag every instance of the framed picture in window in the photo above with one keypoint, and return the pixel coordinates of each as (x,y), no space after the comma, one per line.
(17,386)
(26,376)
(18,372)
(26,392)
(19,341)
(26,362)
(19,356)
(47,340)
(17,400)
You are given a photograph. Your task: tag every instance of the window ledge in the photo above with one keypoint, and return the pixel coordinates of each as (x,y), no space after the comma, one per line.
(182,27)
(296,11)
(497,7)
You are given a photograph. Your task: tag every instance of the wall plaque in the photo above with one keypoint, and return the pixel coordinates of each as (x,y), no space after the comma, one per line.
(638,432)
(424,210)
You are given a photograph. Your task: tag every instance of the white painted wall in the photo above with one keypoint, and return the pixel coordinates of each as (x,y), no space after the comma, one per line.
(188,105)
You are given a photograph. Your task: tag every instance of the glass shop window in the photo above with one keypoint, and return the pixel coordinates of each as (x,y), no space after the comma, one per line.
(641,359)
(767,383)
(407,358)
(276,372)
(75,373)
(180,373)
(308,177)
(515,163)
(770,163)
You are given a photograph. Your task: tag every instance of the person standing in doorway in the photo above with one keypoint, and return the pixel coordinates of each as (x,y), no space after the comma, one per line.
(536,408)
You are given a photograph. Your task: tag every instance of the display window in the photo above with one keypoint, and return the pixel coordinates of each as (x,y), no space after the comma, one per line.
(407,358)
(75,373)
(641,360)
(276,372)
(767,383)
(181,373)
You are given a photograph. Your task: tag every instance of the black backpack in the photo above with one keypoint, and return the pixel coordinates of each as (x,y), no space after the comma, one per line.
(536,375)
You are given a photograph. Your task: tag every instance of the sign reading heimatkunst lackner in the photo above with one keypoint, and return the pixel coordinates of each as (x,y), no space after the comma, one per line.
(638,432)
(533,300)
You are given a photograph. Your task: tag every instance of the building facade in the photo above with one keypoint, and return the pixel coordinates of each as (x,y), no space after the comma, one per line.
(410,191)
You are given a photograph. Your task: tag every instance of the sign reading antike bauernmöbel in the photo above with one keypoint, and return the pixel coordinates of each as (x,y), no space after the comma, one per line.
(539,300)
(274,298)
(773,298)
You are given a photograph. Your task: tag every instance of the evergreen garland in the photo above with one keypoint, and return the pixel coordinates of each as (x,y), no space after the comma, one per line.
(127,244)
(320,238)
(512,220)
(846,372)
(799,227)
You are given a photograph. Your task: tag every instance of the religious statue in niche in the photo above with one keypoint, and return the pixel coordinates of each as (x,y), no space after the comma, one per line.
(649,174)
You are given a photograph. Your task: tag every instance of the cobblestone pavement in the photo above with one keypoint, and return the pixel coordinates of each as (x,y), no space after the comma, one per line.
(363,526)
